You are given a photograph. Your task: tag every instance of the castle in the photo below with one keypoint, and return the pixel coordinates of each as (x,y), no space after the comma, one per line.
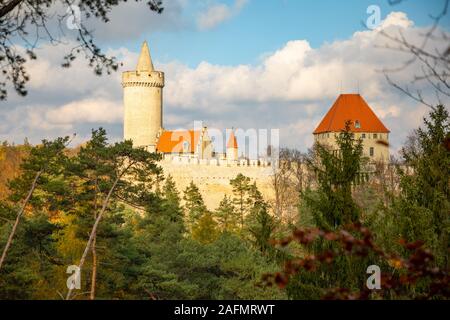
(189,155)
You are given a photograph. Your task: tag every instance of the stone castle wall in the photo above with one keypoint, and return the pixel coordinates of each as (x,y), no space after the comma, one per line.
(214,180)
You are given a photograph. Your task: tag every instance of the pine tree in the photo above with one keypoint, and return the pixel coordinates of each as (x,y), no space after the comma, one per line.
(32,262)
(336,171)
(241,188)
(205,230)
(194,205)
(261,227)
(422,210)
(332,207)
(44,162)
(227,216)
(91,169)
(131,173)
(157,239)
(172,201)
(260,224)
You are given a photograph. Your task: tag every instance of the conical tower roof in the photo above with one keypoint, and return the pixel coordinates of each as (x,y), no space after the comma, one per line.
(232,141)
(145,61)
(351,107)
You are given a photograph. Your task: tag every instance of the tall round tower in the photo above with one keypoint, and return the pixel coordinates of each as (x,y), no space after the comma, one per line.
(143,101)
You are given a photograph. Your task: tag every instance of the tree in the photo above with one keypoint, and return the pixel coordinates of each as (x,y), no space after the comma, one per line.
(289,177)
(336,171)
(157,238)
(32,264)
(227,268)
(25,23)
(261,227)
(172,202)
(332,207)
(44,161)
(133,175)
(194,205)
(241,187)
(226,215)
(90,171)
(431,53)
(412,277)
(422,209)
(205,230)
(10,159)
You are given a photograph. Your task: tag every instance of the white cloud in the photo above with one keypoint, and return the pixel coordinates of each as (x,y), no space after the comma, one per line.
(217,13)
(86,111)
(290,89)
(296,72)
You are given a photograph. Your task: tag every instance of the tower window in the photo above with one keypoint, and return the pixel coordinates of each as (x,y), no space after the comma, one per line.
(357,124)
(372,151)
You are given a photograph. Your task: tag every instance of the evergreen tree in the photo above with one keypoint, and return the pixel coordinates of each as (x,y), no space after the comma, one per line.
(422,210)
(336,171)
(90,171)
(194,205)
(44,162)
(332,207)
(157,239)
(241,188)
(261,227)
(131,173)
(29,271)
(172,203)
(260,224)
(227,216)
(205,230)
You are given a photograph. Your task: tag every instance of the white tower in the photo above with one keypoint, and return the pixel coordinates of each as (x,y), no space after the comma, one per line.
(143,101)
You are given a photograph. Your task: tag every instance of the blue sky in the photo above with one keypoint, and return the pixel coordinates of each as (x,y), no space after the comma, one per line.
(263,26)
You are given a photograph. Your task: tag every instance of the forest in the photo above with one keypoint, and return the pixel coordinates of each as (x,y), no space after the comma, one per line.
(109,210)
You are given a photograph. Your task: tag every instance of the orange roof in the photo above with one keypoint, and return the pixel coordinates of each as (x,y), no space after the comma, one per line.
(232,142)
(351,107)
(174,141)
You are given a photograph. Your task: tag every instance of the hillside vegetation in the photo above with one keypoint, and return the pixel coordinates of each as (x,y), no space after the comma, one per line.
(109,211)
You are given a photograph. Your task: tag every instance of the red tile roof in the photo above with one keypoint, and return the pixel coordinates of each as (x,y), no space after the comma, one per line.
(173,141)
(351,107)
(232,142)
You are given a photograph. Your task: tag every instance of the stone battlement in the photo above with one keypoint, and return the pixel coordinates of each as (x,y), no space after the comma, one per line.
(143,79)
(193,160)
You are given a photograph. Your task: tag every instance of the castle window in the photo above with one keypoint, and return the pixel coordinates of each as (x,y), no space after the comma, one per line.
(363,135)
(372,151)
(357,124)
(375,136)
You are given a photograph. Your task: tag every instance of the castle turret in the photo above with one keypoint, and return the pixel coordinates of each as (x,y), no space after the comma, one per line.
(143,94)
(232,148)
